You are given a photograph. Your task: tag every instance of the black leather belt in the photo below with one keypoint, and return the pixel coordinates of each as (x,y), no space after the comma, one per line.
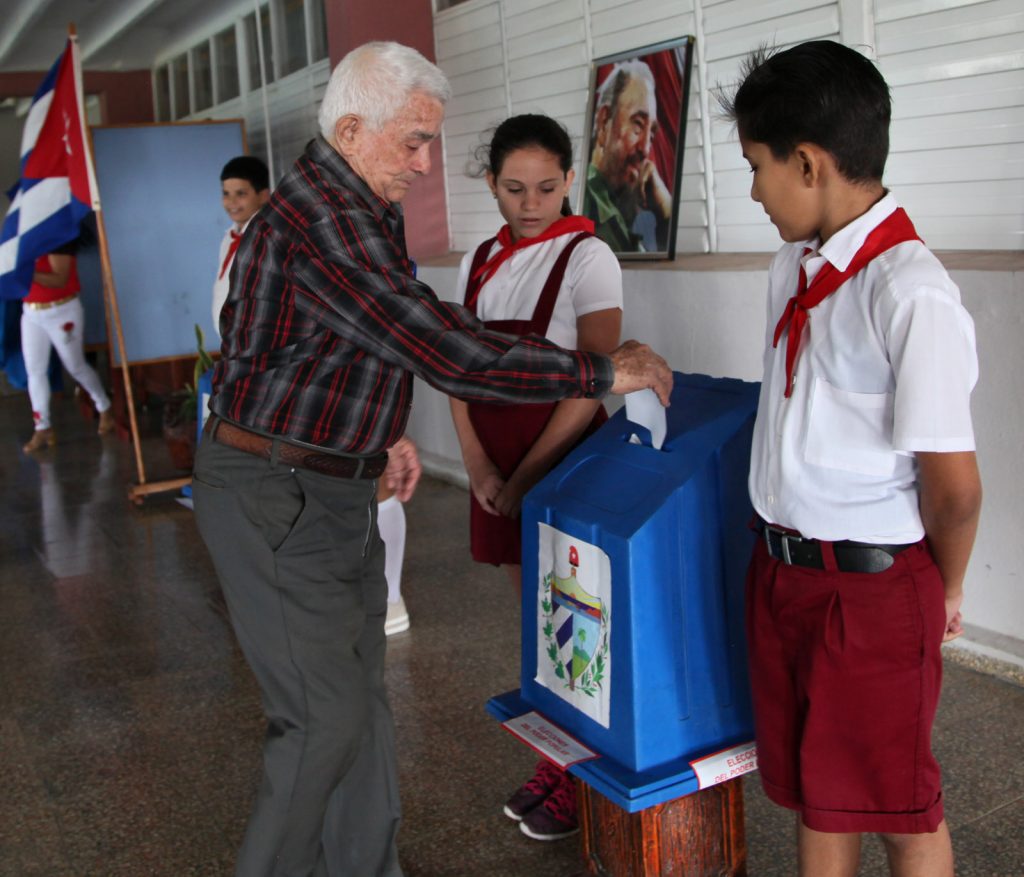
(293,455)
(796,550)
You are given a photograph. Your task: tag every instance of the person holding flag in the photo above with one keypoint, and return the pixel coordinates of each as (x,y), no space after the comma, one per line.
(57,190)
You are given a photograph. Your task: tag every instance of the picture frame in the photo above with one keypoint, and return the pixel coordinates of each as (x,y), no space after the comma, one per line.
(633,154)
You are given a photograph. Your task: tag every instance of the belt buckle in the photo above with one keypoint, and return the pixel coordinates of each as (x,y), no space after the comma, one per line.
(784,540)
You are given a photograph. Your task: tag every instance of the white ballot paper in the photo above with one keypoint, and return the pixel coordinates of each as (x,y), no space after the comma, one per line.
(644,409)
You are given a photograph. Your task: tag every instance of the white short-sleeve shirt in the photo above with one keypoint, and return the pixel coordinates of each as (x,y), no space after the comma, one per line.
(222,283)
(885,369)
(592,282)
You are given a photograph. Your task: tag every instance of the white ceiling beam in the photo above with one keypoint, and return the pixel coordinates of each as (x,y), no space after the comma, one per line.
(18,24)
(127,15)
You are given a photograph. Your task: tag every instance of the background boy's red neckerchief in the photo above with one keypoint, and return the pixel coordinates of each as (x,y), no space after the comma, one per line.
(895,229)
(563,225)
(232,247)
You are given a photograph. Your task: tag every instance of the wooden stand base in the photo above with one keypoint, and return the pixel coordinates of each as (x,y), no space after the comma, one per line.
(699,835)
(138,492)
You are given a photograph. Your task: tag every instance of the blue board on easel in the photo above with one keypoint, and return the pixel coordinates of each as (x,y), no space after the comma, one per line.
(160,191)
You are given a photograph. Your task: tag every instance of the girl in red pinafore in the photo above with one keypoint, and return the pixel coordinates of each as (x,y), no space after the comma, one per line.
(544,273)
(52,317)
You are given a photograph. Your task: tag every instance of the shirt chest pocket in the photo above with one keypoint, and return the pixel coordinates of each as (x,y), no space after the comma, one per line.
(850,431)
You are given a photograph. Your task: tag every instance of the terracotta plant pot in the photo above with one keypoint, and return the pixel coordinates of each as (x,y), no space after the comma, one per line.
(179,428)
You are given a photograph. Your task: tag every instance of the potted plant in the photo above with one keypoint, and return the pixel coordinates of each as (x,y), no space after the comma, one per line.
(181,411)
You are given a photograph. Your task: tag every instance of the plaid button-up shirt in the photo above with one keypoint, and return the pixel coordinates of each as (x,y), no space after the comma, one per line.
(325,326)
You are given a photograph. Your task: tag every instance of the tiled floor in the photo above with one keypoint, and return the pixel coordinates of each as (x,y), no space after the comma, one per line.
(131,726)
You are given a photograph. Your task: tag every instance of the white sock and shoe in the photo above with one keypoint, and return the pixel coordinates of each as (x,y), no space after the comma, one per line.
(391,524)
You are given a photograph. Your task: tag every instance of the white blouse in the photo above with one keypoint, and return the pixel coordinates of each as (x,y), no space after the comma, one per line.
(592,282)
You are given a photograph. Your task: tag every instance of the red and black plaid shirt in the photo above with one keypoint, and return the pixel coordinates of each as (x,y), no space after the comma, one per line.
(325,325)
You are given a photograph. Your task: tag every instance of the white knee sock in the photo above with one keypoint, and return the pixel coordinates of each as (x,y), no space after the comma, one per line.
(391,524)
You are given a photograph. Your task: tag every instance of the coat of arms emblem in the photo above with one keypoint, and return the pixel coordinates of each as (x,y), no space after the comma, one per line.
(574,624)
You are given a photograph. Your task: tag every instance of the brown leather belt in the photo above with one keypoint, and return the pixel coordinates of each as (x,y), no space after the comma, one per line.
(294,455)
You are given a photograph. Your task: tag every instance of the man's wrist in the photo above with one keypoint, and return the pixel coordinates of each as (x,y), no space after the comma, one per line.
(597,375)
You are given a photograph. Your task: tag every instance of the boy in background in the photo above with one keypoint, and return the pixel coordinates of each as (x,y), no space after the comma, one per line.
(863,471)
(245,188)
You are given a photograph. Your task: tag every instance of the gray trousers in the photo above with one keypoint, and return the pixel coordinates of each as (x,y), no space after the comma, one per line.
(302,567)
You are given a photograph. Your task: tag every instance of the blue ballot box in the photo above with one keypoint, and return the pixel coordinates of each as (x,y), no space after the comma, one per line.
(634,562)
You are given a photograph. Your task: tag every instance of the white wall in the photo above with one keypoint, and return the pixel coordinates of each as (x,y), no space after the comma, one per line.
(712,322)
(956,68)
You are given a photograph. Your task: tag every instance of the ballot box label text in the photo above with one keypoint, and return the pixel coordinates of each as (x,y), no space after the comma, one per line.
(725,765)
(548,739)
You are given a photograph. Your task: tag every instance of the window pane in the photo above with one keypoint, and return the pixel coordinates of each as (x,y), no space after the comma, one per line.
(179,73)
(253,47)
(163,95)
(227,65)
(268,46)
(250,46)
(318,23)
(294,21)
(202,77)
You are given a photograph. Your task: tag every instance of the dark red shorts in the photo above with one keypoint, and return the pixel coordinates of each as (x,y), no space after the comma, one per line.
(845,670)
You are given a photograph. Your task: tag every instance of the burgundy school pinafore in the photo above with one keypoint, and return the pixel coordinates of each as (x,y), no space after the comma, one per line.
(507,432)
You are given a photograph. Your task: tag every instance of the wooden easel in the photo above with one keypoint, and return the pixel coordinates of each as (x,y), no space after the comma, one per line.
(142,486)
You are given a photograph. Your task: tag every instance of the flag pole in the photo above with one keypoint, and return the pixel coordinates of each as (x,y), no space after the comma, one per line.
(109,290)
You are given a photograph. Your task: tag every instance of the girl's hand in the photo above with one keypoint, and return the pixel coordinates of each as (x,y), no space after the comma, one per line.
(486,482)
(510,501)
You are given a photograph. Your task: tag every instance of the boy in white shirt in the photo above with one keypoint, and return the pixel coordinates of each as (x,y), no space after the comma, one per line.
(863,471)
(245,188)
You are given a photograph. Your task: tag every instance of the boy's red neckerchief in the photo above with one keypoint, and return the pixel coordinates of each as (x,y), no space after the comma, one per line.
(895,229)
(236,238)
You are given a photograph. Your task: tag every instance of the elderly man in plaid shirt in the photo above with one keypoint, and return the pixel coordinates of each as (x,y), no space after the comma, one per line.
(324,328)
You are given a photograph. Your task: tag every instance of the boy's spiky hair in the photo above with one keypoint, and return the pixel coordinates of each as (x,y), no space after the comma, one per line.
(820,92)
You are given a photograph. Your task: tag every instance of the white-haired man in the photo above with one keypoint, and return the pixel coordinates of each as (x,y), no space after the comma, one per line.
(625,196)
(324,327)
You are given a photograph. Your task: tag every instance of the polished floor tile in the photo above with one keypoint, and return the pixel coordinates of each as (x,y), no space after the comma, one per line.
(132,726)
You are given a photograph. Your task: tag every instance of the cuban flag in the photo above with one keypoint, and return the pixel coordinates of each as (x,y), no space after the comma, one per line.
(57,188)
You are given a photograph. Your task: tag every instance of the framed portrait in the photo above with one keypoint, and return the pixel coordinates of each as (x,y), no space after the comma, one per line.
(636,120)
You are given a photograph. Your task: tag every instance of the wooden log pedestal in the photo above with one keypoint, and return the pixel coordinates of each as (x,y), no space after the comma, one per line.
(698,835)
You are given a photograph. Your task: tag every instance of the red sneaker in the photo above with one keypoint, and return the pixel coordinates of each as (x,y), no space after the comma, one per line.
(531,794)
(556,817)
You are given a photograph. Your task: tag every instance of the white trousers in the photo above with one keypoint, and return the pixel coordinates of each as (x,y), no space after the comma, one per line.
(62,327)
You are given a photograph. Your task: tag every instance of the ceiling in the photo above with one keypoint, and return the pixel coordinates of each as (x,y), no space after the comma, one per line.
(112,34)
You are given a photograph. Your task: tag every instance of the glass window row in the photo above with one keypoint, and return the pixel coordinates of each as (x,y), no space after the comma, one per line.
(289,36)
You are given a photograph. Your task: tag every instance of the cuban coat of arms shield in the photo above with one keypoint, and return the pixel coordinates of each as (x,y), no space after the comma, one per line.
(574,622)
